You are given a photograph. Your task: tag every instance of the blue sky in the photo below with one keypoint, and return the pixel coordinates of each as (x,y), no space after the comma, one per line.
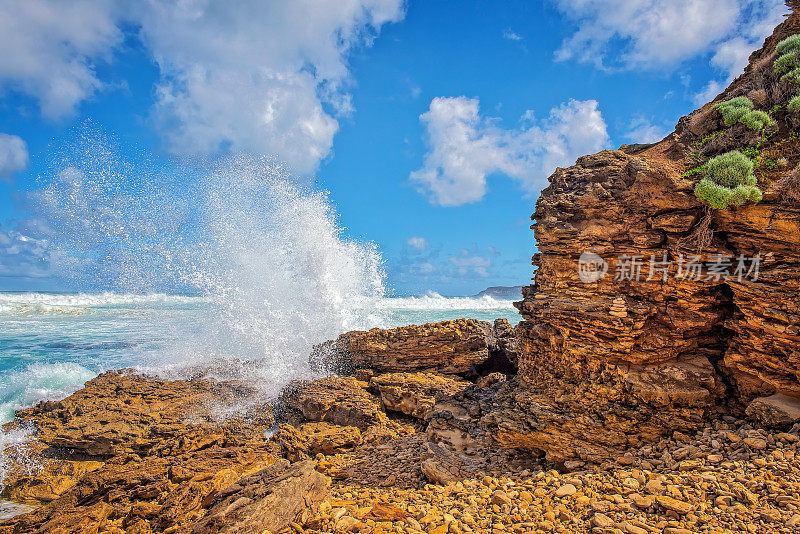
(433,125)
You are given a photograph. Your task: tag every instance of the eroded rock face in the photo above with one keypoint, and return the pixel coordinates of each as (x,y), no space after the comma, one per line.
(609,364)
(119,412)
(265,501)
(414,394)
(449,347)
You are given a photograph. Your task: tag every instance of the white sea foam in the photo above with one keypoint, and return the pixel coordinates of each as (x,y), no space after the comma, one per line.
(15,454)
(32,303)
(40,381)
(435,301)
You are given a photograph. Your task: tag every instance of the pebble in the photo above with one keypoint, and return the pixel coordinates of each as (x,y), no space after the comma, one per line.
(566,490)
(681,485)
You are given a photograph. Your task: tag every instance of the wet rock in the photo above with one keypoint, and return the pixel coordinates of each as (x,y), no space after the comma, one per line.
(119,411)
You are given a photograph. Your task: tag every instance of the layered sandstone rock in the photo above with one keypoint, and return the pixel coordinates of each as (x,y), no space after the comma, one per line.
(265,501)
(120,412)
(344,401)
(611,363)
(414,394)
(317,438)
(135,454)
(449,347)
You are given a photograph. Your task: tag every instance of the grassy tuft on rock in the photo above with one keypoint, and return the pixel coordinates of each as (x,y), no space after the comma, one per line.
(729,181)
(788,64)
(740,110)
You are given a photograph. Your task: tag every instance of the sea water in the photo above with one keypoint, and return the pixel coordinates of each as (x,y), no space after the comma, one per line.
(50,344)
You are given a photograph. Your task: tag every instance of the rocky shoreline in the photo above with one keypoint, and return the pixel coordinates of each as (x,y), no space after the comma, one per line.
(376,452)
(618,405)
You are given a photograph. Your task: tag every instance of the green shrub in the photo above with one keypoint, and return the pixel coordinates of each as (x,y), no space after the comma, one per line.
(740,109)
(789,45)
(788,64)
(729,181)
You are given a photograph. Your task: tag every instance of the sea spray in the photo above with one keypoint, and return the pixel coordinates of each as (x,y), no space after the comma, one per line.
(16,457)
(262,248)
(280,272)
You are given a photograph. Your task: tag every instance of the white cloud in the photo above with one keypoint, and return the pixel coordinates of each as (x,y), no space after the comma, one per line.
(426,268)
(657,35)
(467,263)
(731,56)
(253,76)
(511,35)
(464,148)
(22,256)
(50,48)
(417,242)
(641,130)
(709,92)
(13,156)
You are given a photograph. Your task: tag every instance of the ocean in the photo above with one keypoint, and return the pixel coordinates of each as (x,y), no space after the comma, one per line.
(50,344)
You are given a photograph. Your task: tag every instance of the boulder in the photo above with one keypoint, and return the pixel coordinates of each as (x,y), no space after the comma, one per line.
(265,501)
(449,347)
(414,394)
(313,438)
(342,401)
(345,402)
(777,411)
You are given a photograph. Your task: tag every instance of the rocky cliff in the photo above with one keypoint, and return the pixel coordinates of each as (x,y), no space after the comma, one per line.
(632,359)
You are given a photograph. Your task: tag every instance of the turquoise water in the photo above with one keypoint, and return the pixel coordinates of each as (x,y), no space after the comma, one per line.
(50,344)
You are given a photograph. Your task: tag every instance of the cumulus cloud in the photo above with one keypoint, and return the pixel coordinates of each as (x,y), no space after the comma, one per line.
(23,255)
(50,49)
(511,35)
(464,147)
(653,35)
(417,242)
(254,76)
(13,156)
